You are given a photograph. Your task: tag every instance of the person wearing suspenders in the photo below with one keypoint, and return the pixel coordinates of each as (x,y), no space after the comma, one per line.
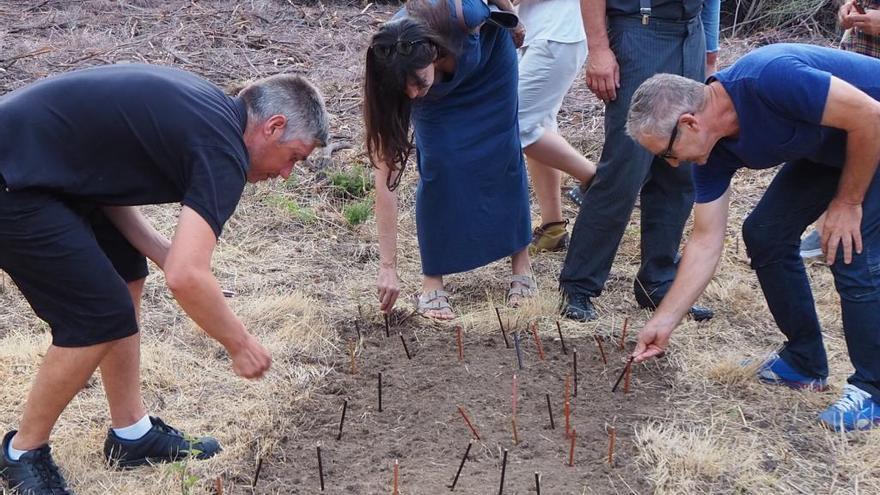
(628,42)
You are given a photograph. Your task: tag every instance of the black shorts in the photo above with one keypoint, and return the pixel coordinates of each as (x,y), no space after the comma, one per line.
(72,266)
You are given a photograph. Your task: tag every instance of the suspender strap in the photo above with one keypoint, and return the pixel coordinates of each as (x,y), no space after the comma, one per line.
(644,10)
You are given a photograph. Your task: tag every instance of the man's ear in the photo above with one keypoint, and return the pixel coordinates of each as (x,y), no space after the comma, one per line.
(690,121)
(275,124)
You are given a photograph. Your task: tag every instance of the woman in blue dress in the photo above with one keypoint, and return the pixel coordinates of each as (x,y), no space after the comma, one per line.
(440,65)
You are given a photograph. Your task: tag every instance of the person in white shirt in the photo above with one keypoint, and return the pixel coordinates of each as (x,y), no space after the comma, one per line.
(552,55)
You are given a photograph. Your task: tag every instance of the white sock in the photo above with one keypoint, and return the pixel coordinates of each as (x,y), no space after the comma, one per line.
(135,431)
(14,453)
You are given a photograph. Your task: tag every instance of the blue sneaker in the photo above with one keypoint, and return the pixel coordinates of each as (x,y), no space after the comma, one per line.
(856,410)
(811,245)
(776,371)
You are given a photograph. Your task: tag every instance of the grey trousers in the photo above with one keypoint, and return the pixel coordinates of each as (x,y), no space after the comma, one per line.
(625,168)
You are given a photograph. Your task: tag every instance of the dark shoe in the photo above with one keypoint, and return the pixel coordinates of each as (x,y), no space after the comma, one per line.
(651,301)
(697,312)
(161,444)
(576,195)
(35,473)
(579,307)
(701,313)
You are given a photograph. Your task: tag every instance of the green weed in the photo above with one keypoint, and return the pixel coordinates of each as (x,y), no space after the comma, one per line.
(358,212)
(300,213)
(353,183)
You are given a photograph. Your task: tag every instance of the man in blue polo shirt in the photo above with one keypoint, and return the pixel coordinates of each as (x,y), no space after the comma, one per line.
(818,111)
(78,153)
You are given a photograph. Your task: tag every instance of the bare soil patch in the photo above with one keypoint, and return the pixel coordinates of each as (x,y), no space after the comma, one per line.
(421,426)
(300,271)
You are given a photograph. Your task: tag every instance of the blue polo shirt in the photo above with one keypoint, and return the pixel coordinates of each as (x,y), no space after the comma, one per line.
(779,93)
(128,134)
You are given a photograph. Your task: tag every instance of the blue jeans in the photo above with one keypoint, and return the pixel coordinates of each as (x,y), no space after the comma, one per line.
(711,17)
(799,193)
(627,170)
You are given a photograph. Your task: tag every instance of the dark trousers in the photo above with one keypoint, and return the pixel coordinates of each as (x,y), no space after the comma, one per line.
(799,193)
(625,168)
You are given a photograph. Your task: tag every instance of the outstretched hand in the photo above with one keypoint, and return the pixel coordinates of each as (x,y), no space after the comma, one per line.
(652,342)
(387,288)
(250,359)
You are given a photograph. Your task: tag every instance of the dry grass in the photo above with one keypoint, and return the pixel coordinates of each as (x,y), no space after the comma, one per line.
(300,278)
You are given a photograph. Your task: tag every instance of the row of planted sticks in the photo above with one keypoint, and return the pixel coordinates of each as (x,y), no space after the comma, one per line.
(570,433)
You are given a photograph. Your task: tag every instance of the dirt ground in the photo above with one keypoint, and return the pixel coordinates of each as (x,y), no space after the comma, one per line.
(693,423)
(421,426)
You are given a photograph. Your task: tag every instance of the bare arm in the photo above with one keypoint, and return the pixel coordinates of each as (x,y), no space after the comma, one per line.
(387,283)
(189,276)
(135,227)
(858,114)
(698,264)
(602,72)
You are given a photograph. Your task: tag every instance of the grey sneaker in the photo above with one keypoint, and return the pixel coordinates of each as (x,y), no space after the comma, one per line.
(811,245)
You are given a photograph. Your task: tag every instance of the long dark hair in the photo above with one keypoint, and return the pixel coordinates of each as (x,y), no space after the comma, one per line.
(400,48)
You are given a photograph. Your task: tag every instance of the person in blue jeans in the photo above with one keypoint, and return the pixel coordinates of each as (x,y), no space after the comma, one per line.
(818,110)
(711,18)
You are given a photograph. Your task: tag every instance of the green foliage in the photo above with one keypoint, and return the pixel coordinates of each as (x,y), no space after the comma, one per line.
(187,479)
(353,183)
(358,212)
(299,213)
(292,182)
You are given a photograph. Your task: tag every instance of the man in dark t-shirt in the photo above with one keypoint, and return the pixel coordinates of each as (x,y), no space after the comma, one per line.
(818,111)
(78,153)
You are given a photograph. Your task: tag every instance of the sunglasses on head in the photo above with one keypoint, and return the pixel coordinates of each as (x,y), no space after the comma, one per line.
(402,47)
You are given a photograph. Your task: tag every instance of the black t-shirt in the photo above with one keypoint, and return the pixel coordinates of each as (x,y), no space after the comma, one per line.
(661,9)
(127,134)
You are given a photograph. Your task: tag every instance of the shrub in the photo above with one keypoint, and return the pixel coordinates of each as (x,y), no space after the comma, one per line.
(358,212)
(353,183)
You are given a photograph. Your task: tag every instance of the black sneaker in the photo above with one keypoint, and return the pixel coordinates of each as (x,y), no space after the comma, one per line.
(35,473)
(701,313)
(697,312)
(161,444)
(652,301)
(579,307)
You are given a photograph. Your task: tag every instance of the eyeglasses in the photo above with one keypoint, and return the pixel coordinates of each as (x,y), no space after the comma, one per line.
(668,153)
(404,48)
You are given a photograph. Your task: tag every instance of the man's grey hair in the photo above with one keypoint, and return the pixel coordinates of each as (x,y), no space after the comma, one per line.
(295,98)
(660,101)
